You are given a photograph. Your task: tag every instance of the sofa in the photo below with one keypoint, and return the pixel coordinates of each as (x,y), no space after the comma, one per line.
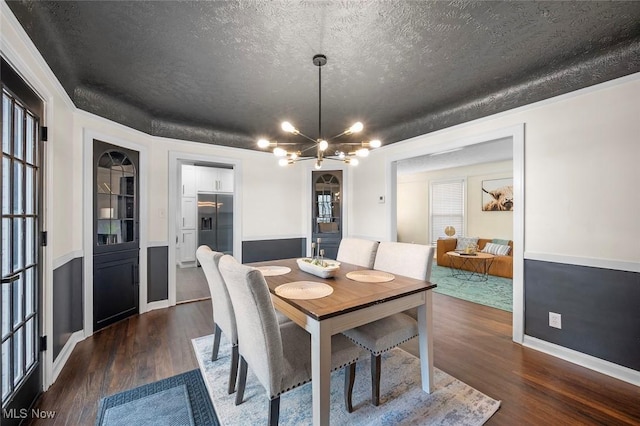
(502,266)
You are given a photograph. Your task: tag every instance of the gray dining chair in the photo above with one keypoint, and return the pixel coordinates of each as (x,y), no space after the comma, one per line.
(357,251)
(224,319)
(279,355)
(380,336)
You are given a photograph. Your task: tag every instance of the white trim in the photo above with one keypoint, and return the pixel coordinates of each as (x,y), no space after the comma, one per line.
(157,243)
(65,353)
(271,237)
(47,286)
(88,136)
(66,258)
(391,195)
(516,134)
(605,367)
(113,125)
(618,265)
(176,159)
(160,304)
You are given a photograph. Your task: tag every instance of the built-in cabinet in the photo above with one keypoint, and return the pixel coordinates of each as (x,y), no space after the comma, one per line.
(211,179)
(189,211)
(197,180)
(116,237)
(189,181)
(327,210)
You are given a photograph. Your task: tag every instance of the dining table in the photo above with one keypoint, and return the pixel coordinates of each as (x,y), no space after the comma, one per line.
(352,303)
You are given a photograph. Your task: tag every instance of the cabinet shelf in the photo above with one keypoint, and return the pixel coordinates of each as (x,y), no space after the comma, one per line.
(116,199)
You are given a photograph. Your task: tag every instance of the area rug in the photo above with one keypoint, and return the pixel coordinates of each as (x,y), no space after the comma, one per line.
(496,292)
(180,400)
(402,400)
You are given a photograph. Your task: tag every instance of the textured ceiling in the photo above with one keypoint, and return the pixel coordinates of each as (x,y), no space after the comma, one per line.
(230,72)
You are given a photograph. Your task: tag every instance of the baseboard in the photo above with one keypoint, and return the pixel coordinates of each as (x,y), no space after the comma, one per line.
(160,304)
(601,366)
(65,353)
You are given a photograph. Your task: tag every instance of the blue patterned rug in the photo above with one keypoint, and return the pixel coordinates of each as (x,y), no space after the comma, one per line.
(180,400)
(402,401)
(496,292)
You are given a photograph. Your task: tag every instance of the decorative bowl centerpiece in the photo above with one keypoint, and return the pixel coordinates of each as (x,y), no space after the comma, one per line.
(319,267)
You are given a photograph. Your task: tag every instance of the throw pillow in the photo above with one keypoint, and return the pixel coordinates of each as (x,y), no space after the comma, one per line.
(465,241)
(498,241)
(497,249)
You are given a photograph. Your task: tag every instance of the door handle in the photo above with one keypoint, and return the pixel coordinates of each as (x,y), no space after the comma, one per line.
(183,222)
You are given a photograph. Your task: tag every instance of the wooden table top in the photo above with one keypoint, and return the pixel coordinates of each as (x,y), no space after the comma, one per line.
(348,295)
(477,255)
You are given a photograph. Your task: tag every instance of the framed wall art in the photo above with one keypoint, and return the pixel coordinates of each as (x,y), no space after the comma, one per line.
(497,195)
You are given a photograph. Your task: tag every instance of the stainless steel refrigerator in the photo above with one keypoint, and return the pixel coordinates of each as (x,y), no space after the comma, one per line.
(215,222)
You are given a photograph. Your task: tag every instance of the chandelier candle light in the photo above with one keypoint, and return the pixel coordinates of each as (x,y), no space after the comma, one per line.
(321,145)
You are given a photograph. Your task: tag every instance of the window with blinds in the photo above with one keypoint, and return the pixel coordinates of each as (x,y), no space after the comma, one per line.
(446,208)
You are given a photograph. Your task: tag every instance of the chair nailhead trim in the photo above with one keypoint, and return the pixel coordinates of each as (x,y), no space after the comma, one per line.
(383,350)
(307,381)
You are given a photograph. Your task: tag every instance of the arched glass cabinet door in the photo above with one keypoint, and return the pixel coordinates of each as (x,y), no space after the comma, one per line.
(115,209)
(327,210)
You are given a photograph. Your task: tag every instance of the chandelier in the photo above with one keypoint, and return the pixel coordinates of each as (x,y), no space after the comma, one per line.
(359,149)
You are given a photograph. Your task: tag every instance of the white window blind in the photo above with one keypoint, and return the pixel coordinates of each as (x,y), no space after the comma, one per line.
(447,208)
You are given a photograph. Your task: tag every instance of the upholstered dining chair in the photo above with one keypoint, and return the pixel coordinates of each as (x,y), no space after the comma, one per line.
(410,260)
(357,251)
(279,355)
(224,319)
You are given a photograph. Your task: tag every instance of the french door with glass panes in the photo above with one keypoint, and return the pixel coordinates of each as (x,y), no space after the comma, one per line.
(19,233)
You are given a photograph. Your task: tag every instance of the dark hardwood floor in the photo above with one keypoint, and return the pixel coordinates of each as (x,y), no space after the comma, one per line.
(472,343)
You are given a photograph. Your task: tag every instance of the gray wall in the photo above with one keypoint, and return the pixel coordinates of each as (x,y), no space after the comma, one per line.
(67,303)
(600,309)
(258,251)
(157,273)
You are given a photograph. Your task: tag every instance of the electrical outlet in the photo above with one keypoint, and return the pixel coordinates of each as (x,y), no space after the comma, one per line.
(555,320)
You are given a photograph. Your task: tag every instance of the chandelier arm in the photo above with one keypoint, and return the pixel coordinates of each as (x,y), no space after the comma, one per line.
(308,148)
(337,136)
(306,137)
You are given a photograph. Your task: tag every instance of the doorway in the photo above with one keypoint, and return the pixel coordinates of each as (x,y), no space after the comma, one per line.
(204,209)
(516,135)
(21,196)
